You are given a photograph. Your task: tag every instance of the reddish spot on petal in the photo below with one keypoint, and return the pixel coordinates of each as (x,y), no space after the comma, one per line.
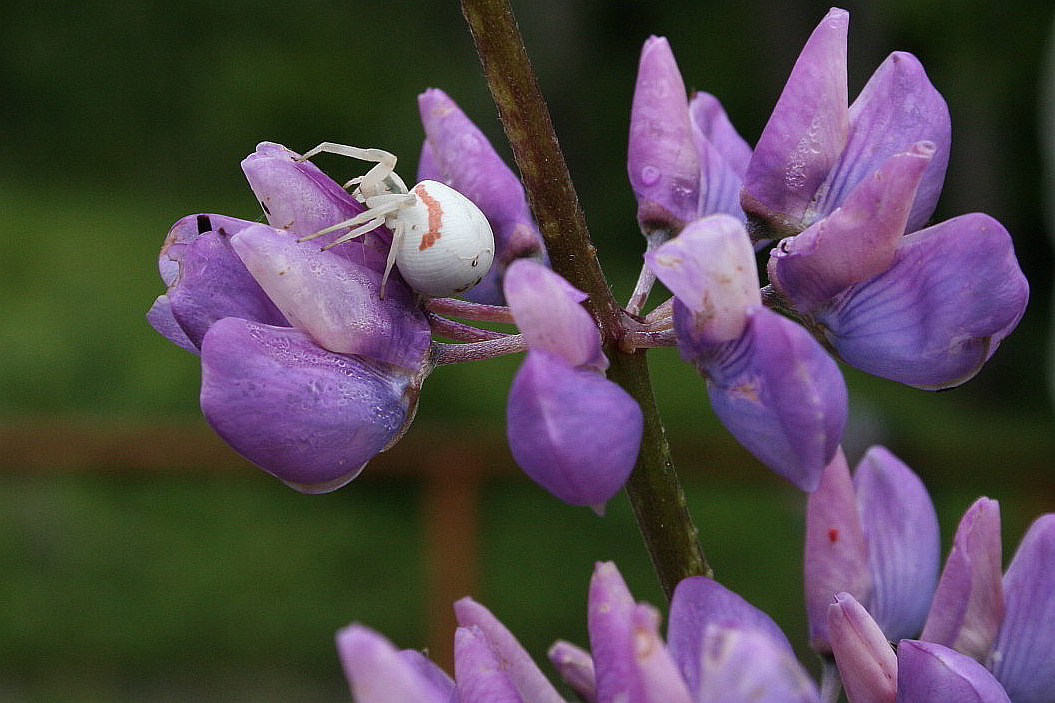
(833,535)
(435,218)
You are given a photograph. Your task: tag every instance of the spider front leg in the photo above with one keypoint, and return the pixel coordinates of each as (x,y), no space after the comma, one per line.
(398,228)
(378,210)
(371,183)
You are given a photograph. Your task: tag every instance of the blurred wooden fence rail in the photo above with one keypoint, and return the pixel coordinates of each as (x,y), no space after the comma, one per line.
(454,466)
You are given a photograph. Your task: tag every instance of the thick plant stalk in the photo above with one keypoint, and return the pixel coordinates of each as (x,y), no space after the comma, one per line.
(655,492)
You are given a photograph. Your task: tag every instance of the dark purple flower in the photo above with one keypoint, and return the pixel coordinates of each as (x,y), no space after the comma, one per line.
(306,371)
(851,188)
(457,153)
(875,538)
(685,158)
(571,429)
(770,382)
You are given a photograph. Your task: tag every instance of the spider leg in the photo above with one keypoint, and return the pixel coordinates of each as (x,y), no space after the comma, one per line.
(360,230)
(398,231)
(379,209)
(371,182)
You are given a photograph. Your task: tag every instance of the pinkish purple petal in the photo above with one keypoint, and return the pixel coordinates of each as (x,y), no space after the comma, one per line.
(1024,656)
(901,528)
(507,655)
(710,121)
(857,241)
(335,300)
(935,317)
(931,673)
(161,319)
(710,267)
(777,391)
(379,673)
(805,134)
(431,671)
(836,552)
(309,417)
(700,603)
(662,162)
(897,107)
(575,666)
(572,430)
(480,672)
(969,602)
(742,665)
(548,313)
(867,663)
(655,669)
(610,622)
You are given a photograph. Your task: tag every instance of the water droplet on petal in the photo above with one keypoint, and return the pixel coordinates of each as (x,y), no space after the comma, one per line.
(649,175)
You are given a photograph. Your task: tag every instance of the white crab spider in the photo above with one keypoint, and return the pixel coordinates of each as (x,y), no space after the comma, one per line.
(441,242)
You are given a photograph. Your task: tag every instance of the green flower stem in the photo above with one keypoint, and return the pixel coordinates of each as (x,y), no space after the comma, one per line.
(655,492)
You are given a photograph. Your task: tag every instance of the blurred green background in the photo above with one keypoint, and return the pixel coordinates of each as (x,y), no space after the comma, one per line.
(116,119)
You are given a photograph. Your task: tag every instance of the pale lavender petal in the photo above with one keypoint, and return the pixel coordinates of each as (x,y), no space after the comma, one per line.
(575,666)
(655,669)
(379,673)
(431,671)
(969,602)
(742,665)
(897,107)
(778,392)
(836,552)
(904,545)
(710,268)
(664,170)
(213,283)
(709,120)
(548,313)
(335,300)
(855,242)
(610,622)
(805,134)
(480,672)
(719,184)
(161,319)
(508,654)
(939,312)
(572,430)
(1024,656)
(867,663)
(309,417)
(699,603)
(931,673)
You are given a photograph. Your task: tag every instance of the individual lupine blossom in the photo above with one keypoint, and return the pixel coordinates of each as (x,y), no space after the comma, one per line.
(770,382)
(851,189)
(872,560)
(571,429)
(307,370)
(457,153)
(718,648)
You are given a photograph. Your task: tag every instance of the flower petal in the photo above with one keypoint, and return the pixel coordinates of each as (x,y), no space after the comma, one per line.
(379,673)
(480,672)
(654,667)
(609,619)
(896,108)
(779,393)
(710,267)
(509,655)
(335,300)
(867,664)
(931,673)
(662,163)
(805,134)
(1024,656)
(836,553)
(939,312)
(710,121)
(901,528)
(742,665)
(548,313)
(700,603)
(572,430)
(855,242)
(309,417)
(575,666)
(969,602)
(161,319)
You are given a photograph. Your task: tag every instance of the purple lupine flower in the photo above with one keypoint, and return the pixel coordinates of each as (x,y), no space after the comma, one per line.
(571,429)
(875,537)
(685,158)
(919,672)
(851,187)
(306,371)
(1005,624)
(770,382)
(457,153)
